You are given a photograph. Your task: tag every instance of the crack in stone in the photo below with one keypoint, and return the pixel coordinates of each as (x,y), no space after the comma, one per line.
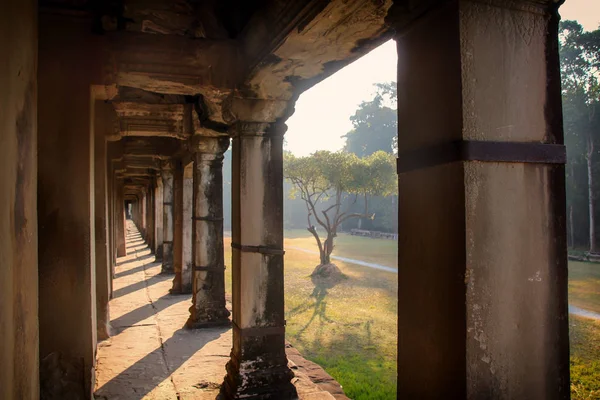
(155,316)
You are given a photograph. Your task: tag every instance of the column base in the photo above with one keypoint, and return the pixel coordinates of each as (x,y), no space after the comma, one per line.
(209,319)
(253,382)
(167,269)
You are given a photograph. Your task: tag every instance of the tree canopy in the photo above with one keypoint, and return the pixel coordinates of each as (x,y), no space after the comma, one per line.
(375,123)
(324,179)
(580,67)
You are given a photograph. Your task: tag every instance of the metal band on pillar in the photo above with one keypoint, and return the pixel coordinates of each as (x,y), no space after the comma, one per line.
(200,268)
(482,151)
(258,249)
(208,219)
(259,331)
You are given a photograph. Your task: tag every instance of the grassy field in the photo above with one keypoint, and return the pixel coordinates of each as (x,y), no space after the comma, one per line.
(350,329)
(379,251)
(584,285)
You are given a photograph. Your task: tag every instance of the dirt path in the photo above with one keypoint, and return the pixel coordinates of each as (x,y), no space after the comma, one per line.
(348,260)
(583,313)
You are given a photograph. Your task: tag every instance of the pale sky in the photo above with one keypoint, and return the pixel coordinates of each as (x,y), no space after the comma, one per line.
(323,112)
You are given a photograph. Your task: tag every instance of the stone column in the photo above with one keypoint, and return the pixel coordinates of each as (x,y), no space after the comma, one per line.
(186,228)
(208,292)
(103,264)
(66,240)
(258,366)
(150,216)
(482,298)
(120,216)
(158,219)
(168,217)
(178,229)
(19,375)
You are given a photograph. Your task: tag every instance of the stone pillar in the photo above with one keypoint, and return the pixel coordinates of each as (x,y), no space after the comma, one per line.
(482,298)
(120,216)
(168,217)
(258,366)
(208,293)
(177,228)
(69,62)
(19,376)
(158,210)
(103,265)
(150,218)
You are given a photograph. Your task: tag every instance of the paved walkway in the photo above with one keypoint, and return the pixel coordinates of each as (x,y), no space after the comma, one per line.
(150,356)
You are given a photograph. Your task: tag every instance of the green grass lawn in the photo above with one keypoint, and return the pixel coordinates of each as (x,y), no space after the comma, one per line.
(379,251)
(584,285)
(350,329)
(585,358)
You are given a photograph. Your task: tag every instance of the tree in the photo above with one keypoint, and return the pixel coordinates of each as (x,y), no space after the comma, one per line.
(331,176)
(375,123)
(580,62)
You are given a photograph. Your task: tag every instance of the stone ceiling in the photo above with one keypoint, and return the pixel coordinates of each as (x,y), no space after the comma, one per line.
(176,67)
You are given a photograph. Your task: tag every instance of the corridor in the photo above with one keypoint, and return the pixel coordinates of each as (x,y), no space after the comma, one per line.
(150,356)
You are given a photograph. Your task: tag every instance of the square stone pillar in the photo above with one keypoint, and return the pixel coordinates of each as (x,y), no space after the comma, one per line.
(19,375)
(186,228)
(69,62)
(168,217)
(158,210)
(120,216)
(177,228)
(208,294)
(482,297)
(258,367)
(102,126)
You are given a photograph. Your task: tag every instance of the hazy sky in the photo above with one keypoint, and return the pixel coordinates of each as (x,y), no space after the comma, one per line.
(323,112)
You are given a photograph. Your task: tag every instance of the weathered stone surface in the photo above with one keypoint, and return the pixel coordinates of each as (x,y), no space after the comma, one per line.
(208,279)
(483,324)
(152,357)
(18,206)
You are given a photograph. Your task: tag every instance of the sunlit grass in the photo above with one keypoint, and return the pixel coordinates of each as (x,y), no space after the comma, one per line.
(585,358)
(350,329)
(379,251)
(584,285)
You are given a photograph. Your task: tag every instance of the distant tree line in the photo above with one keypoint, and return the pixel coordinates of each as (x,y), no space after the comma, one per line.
(373,139)
(580,63)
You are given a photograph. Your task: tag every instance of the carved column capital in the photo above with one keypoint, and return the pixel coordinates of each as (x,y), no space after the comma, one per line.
(249,129)
(166,165)
(254,110)
(209,146)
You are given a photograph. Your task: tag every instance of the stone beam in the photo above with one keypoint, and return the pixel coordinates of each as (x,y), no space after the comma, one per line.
(141,119)
(175,64)
(155,147)
(307,42)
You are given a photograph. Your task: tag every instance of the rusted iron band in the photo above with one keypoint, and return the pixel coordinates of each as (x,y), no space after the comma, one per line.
(209,219)
(207,268)
(258,249)
(483,151)
(259,331)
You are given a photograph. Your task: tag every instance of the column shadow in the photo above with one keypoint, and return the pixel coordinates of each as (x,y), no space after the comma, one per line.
(142,377)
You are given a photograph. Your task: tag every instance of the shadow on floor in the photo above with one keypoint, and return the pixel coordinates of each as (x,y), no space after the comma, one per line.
(154,369)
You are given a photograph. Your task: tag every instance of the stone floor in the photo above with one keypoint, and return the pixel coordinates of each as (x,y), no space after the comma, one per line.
(150,355)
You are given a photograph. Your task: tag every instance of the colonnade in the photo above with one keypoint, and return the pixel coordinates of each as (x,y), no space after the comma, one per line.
(482,307)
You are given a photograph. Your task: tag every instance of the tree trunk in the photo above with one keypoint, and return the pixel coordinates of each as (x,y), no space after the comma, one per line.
(571,227)
(591,197)
(327,249)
